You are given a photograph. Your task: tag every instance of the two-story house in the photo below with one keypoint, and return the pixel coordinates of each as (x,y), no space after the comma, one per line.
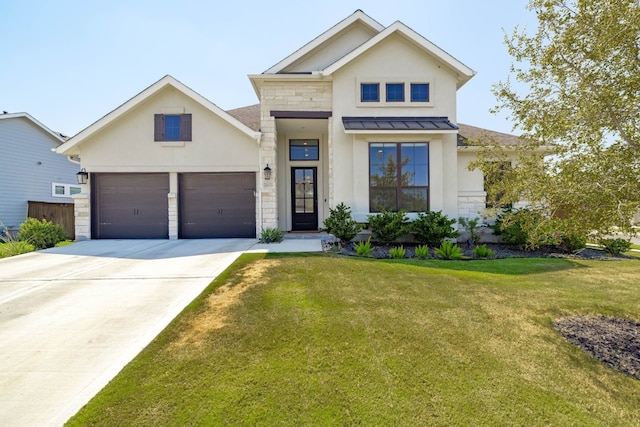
(363,114)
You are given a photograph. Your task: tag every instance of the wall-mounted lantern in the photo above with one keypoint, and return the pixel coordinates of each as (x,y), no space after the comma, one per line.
(267,172)
(82,176)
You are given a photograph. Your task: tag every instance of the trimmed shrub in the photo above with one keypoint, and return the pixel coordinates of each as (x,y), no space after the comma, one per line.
(431,228)
(615,246)
(388,226)
(527,228)
(271,235)
(573,242)
(341,224)
(42,234)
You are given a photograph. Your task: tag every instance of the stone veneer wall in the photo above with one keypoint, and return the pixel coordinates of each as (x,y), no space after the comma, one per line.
(284,96)
(471,204)
(82,213)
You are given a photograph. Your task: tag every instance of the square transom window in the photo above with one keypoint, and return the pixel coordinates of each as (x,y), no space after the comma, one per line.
(395,92)
(370,92)
(419,92)
(303,149)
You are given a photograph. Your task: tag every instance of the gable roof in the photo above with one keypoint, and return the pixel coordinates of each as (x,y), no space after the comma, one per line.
(463,72)
(141,97)
(57,136)
(358,17)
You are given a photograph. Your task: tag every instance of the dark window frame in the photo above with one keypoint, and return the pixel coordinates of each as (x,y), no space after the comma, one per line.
(398,187)
(394,86)
(309,159)
(363,92)
(415,85)
(503,167)
(159,133)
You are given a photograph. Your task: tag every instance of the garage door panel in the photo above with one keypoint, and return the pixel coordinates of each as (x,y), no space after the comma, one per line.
(130,206)
(217,205)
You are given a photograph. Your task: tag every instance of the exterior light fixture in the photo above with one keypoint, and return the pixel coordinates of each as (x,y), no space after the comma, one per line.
(267,172)
(82,176)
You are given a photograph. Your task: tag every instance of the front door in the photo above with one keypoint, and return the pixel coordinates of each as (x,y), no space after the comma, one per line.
(304,197)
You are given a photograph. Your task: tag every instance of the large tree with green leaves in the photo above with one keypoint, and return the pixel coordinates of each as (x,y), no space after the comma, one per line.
(574,92)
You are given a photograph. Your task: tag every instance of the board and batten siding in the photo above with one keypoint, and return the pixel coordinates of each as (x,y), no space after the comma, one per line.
(28,168)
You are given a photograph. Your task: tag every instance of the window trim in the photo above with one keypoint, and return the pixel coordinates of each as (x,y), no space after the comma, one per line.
(66,189)
(411,86)
(386,92)
(383,101)
(186,128)
(317,146)
(399,187)
(372,84)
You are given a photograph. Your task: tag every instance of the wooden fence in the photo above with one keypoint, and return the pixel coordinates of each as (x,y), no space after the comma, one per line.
(58,213)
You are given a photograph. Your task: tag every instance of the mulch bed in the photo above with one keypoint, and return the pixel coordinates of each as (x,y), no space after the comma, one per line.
(499,251)
(613,341)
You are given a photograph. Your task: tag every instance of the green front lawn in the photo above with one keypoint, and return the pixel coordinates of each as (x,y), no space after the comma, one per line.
(322,340)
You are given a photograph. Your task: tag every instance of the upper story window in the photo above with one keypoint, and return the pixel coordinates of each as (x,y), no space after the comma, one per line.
(419,92)
(303,149)
(395,92)
(172,127)
(370,92)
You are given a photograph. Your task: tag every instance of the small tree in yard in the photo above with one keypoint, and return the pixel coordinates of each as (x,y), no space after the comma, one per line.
(431,228)
(341,224)
(577,104)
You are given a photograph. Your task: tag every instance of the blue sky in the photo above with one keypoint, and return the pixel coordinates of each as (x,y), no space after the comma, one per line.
(68,62)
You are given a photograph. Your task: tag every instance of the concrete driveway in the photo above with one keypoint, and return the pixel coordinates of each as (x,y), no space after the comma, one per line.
(72,317)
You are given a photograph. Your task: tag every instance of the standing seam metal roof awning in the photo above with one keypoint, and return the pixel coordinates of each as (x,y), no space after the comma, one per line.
(398,124)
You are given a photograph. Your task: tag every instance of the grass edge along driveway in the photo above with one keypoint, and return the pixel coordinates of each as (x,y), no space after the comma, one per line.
(325,340)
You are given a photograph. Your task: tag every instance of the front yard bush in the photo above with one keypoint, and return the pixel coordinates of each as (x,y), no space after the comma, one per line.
(42,234)
(615,246)
(15,247)
(431,228)
(341,224)
(388,226)
(526,228)
(449,250)
(271,235)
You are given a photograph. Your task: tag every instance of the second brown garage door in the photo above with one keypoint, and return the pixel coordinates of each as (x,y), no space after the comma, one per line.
(217,205)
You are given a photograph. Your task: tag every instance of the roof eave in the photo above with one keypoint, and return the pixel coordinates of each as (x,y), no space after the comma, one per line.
(401,131)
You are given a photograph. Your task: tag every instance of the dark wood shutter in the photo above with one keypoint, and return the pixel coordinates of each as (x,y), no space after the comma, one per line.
(185,127)
(158,128)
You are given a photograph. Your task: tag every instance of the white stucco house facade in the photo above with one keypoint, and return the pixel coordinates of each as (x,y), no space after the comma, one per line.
(363,114)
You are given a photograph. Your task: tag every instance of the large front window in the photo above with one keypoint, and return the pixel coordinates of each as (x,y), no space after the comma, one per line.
(399,176)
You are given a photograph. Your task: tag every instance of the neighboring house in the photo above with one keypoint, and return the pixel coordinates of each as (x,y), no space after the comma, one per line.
(334,118)
(31,171)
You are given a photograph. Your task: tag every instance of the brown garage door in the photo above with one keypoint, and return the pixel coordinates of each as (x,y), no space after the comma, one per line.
(217,205)
(130,206)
